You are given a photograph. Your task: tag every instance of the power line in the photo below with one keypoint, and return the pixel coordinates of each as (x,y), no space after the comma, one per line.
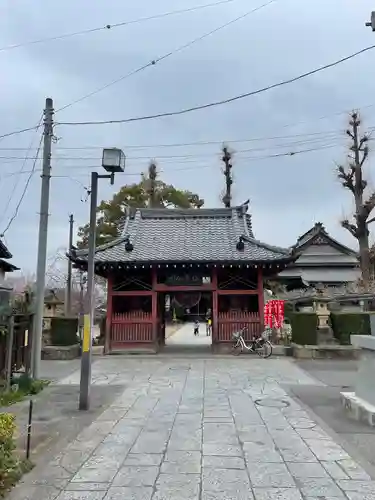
(165,56)
(224,101)
(18,180)
(316,141)
(131,174)
(115,25)
(16,132)
(323,133)
(24,191)
(141,68)
(286,125)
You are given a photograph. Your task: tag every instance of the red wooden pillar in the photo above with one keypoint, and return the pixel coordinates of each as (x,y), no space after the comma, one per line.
(108,322)
(261,297)
(154,305)
(215,306)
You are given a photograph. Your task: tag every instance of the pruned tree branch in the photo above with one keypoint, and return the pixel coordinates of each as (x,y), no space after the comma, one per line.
(364,156)
(369,205)
(352,228)
(363,140)
(346,177)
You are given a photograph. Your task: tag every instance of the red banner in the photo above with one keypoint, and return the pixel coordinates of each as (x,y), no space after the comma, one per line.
(274,313)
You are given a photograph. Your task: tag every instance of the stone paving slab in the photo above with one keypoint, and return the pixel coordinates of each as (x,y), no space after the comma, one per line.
(200,430)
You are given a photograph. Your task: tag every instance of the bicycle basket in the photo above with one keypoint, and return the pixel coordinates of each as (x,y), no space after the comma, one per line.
(236,335)
(266,335)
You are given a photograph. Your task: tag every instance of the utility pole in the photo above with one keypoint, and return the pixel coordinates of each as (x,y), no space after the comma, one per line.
(371,24)
(42,241)
(68,294)
(227,198)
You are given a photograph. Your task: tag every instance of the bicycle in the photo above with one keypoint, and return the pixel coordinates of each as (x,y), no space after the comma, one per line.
(260,345)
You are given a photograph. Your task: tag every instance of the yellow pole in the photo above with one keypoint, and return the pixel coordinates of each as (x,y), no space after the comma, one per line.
(86,333)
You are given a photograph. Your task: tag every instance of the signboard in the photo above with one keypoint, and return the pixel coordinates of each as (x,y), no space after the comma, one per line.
(186,280)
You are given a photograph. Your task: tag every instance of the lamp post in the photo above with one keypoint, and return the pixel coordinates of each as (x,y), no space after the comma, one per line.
(371,24)
(113,161)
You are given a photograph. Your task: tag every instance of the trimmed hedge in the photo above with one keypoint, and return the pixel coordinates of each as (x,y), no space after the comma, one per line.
(64,331)
(345,324)
(304,327)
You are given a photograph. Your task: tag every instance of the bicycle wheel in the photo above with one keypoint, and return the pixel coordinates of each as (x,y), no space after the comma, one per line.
(236,349)
(264,350)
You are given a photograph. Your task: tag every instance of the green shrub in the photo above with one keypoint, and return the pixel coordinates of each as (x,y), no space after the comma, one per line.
(21,386)
(304,327)
(345,324)
(10,466)
(27,385)
(64,331)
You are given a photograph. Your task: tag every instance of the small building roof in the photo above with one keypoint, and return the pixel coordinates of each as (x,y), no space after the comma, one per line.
(190,235)
(322,274)
(7,266)
(321,259)
(4,252)
(318,234)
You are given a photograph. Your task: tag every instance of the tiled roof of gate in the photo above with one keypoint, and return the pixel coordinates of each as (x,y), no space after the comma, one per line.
(191,235)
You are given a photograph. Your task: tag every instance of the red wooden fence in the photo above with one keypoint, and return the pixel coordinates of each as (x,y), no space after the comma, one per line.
(131,328)
(232,321)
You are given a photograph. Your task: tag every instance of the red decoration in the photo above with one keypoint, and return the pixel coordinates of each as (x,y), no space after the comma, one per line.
(274,313)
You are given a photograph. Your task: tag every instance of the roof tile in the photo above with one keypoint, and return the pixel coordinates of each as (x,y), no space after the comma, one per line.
(174,235)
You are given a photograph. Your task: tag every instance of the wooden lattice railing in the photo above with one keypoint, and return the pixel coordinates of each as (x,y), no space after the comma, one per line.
(233,321)
(131,327)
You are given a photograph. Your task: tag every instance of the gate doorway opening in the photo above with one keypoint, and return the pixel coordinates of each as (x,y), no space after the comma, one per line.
(179,313)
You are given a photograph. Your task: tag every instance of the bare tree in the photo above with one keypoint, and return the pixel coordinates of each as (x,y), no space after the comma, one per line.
(227,157)
(351,177)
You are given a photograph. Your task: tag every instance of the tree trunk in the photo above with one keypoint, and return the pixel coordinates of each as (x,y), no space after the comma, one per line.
(364,256)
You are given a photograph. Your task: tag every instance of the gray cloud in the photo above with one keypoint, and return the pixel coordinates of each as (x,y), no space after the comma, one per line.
(287,38)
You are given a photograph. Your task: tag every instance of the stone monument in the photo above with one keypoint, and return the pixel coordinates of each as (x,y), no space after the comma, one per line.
(320,305)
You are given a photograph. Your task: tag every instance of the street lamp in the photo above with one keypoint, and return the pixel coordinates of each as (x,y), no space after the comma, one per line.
(113,161)
(371,24)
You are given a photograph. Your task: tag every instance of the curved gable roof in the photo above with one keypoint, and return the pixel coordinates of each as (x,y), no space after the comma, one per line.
(195,235)
(314,234)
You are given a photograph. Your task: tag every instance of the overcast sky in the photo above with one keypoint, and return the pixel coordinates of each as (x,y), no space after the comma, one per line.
(289,37)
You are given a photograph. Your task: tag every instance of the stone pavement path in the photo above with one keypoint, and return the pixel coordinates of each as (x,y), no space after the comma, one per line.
(185,336)
(207,429)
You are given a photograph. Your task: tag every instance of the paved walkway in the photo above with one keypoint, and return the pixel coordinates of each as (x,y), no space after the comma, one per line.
(185,336)
(207,429)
